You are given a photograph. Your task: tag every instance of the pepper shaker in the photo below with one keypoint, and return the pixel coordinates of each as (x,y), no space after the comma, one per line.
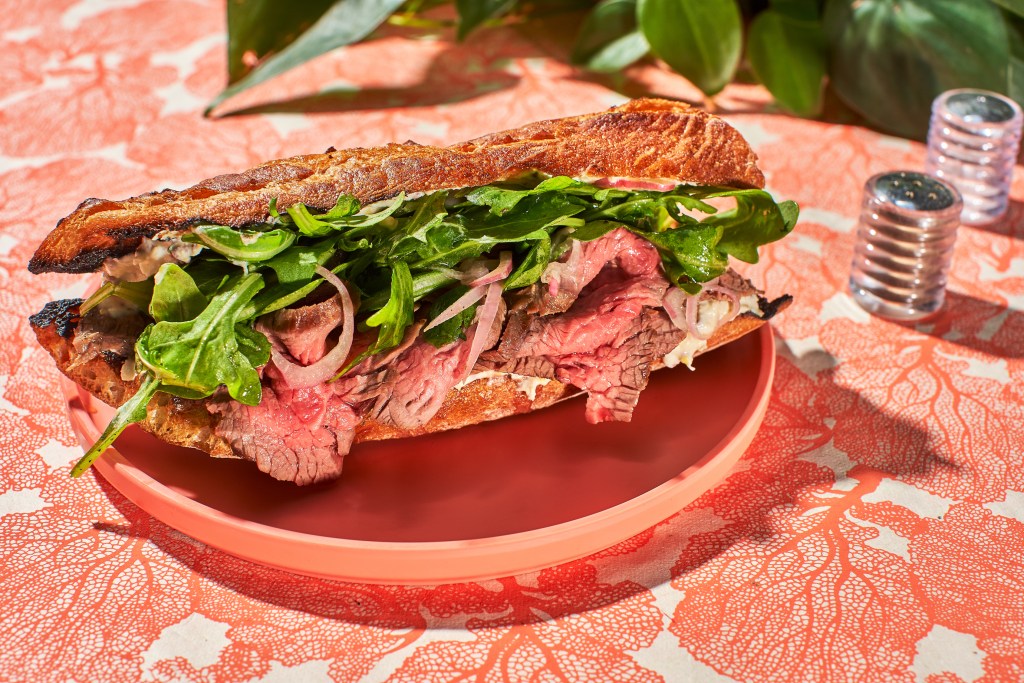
(973,140)
(904,247)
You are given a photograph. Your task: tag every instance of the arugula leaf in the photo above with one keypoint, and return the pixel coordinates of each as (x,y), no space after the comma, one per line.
(347,205)
(244,245)
(211,273)
(592,230)
(756,220)
(340,218)
(429,213)
(137,293)
(307,223)
(176,297)
(531,267)
(134,410)
(194,357)
(690,254)
(396,315)
(502,200)
(298,264)
(527,221)
(454,328)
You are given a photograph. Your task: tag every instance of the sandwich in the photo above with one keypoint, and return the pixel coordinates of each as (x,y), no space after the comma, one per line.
(287,312)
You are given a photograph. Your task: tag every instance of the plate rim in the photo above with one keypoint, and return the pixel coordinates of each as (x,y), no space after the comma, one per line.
(159,501)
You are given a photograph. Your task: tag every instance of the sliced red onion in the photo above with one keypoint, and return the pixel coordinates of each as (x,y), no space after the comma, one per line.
(692,305)
(461,304)
(552,275)
(734,302)
(502,271)
(484,321)
(674,303)
(635,184)
(301,377)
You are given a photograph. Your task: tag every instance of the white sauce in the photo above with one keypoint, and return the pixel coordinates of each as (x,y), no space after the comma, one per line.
(524,384)
(147,259)
(709,317)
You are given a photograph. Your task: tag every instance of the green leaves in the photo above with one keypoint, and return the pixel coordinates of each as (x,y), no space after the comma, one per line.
(134,410)
(472,13)
(789,56)
(175,295)
(455,327)
(890,60)
(203,338)
(396,315)
(330,25)
(700,39)
(609,39)
(192,358)
(244,245)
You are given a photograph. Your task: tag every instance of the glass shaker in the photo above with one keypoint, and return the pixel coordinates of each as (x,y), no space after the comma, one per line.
(904,247)
(973,140)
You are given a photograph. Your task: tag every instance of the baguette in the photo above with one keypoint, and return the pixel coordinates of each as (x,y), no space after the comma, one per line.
(188,423)
(649,140)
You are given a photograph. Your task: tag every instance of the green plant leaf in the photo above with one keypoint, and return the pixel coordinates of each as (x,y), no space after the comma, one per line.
(472,13)
(133,410)
(343,23)
(532,266)
(193,358)
(808,10)
(396,315)
(1014,6)
(244,245)
(609,39)
(454,328)
(700,39)
(889,60)
(260,27)
(790,57)
(1015,74)
(176,297)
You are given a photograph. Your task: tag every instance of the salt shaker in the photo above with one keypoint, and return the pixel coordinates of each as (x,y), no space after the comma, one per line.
(905,240)
(973,140)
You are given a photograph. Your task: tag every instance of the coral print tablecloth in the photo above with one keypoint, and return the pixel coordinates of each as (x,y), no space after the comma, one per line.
(874,531)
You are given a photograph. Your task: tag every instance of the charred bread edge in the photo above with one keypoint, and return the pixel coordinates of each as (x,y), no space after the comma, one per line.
(188,423)
(643,138)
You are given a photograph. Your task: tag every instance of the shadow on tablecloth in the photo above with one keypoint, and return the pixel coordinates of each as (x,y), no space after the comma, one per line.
(795,455)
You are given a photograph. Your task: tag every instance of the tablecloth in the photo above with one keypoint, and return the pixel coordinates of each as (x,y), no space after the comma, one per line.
(874,531)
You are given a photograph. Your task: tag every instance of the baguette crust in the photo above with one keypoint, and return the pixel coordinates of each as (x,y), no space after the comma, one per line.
(644,138)
(188,423)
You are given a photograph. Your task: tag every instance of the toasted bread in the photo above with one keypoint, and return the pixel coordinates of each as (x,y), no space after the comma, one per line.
(646,138)
(188,423)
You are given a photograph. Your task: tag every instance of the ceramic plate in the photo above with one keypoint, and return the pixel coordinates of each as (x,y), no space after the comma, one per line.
(492,500)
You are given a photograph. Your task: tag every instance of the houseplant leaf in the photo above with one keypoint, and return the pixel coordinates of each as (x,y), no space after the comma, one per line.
(609,39)
(891,59)
(700,39)
(344,23)
(472,13)
(790,57)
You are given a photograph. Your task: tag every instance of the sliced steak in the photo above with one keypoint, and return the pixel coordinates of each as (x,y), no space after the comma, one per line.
(620,249)
(613,375)
(303,331)
(298,435)
(606,309)
(415,385)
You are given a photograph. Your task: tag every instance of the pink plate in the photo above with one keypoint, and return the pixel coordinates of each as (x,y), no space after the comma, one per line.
(491,500)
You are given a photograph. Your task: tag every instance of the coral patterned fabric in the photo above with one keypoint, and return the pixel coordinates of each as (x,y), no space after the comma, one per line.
(874,531)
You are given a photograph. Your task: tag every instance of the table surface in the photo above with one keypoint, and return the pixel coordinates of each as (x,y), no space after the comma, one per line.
(874,531)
